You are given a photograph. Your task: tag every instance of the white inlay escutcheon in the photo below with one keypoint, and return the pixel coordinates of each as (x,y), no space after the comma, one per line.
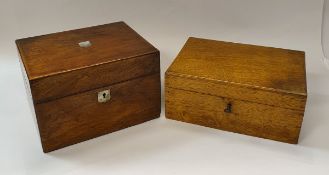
(85,44)
(104,96)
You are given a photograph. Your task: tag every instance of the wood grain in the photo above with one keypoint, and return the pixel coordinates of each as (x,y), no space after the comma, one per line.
(266,88)
(264,68)
(68,83)
(76,118)
(65,79)
(248,118)
(218,88)
(55,53)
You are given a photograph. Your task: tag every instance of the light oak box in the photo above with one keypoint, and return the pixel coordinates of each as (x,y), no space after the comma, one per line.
(89,82)
(252,90)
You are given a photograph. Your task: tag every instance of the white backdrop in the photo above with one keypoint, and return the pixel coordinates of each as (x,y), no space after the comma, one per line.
(162,146)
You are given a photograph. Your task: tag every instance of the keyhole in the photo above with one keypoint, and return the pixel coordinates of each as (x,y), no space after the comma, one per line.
(103,96)
(228,108)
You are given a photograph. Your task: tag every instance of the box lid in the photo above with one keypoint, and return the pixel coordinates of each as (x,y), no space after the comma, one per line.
(261,74)
(75,61)
(56,53)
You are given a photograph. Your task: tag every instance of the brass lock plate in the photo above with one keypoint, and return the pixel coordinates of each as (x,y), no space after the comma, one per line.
(104,96)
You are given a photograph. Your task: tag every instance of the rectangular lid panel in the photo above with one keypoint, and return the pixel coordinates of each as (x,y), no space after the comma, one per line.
(76,49)
(64,84)
(260,74)
(246,65)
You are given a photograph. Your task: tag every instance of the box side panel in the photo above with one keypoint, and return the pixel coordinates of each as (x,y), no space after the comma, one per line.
(224,89)
(238,116)
(61,85)
(80,117)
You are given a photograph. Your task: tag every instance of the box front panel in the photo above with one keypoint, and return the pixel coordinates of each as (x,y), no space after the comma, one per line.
(234,115)
(79,117)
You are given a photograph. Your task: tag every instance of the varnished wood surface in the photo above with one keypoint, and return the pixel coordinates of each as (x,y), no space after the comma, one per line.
(79,117)
(264,68)
(68,83)
(265,86)
(248,118)
(60,52)
(65,80)
(222,89)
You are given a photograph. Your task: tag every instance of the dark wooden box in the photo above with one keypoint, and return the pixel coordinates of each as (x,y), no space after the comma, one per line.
(253,90)
(89,82)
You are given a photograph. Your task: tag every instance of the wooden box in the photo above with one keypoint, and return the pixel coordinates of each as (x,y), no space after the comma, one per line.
(252,90)
(89,82)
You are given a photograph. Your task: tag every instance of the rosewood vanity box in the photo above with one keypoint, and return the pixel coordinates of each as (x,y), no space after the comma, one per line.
(252,90)
(89,82)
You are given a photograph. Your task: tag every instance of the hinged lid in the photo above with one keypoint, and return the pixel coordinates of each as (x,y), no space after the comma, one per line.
(75,49)
(68,62)
(260,74)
